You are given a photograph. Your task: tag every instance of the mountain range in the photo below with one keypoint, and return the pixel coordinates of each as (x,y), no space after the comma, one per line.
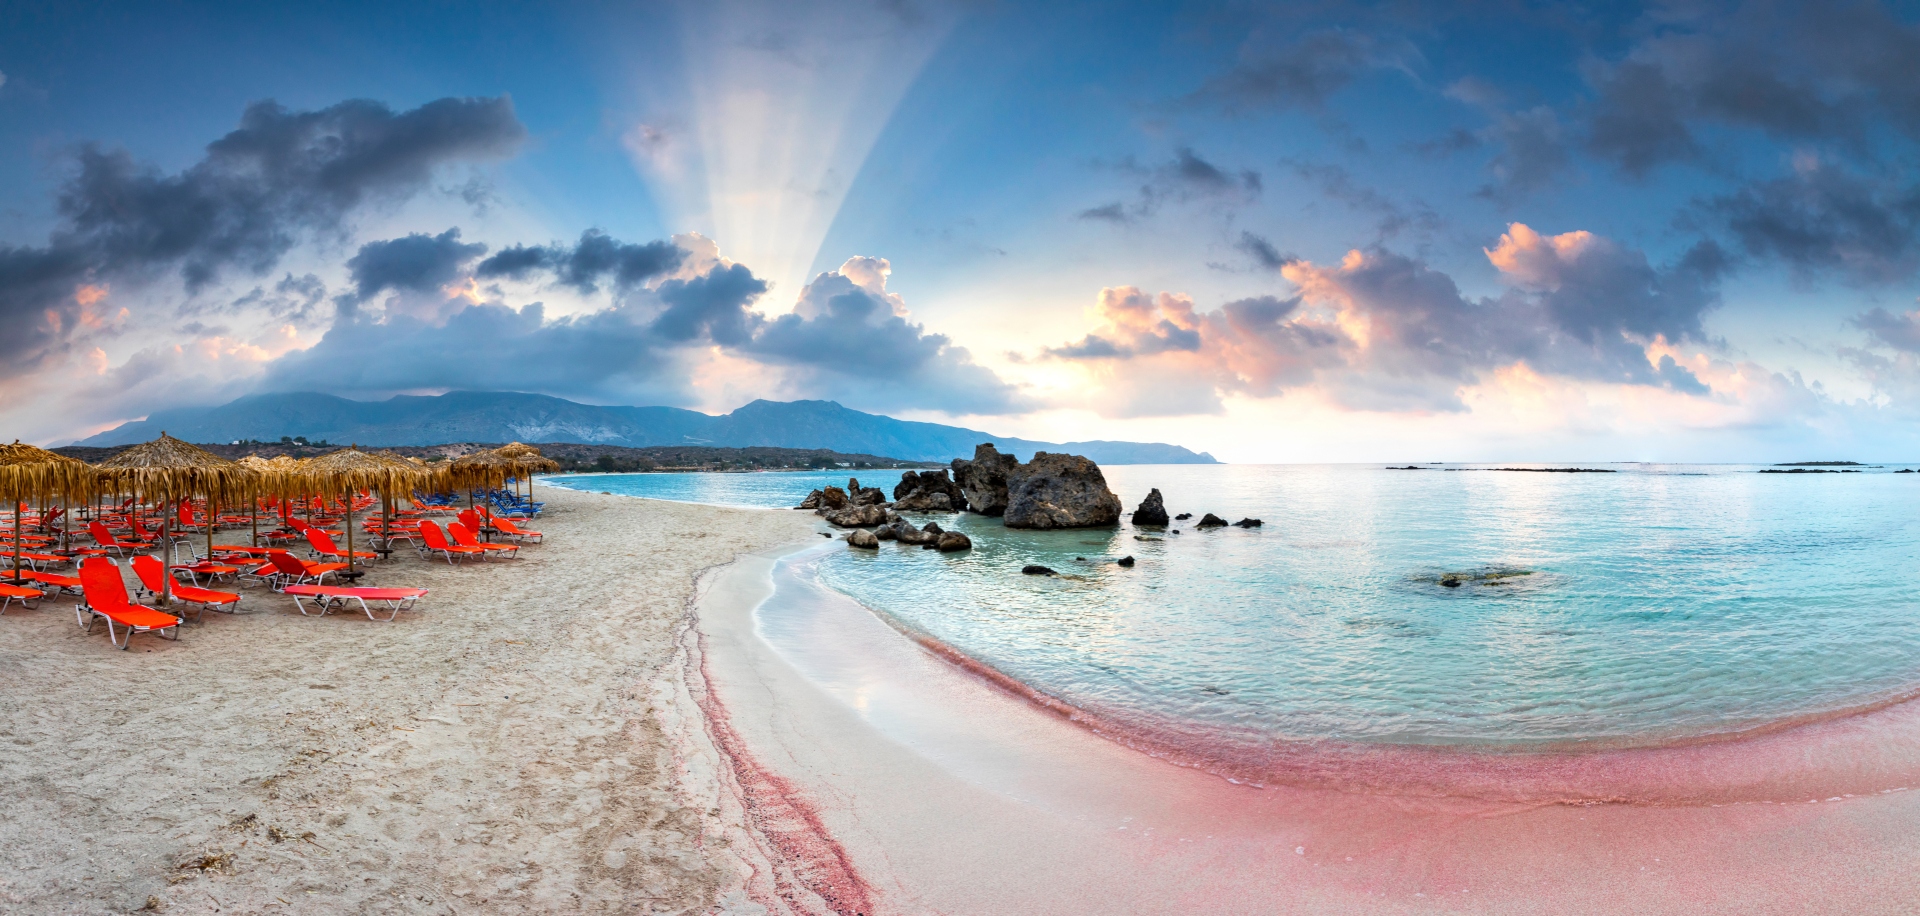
(500,416)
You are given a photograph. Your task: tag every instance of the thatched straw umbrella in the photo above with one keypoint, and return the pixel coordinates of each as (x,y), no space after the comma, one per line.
(527,461)
(484,469)
(171,470)
(27,471)
(351,469)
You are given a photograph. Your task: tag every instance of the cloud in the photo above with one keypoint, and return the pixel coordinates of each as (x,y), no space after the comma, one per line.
(1822,218)
(1901,332)
(1262,251)
(851,337)
(1385,332)
(416,263)
(279,177)
(1303,73)
(595,258)
(1339,184)
(848,336)
(1186,178)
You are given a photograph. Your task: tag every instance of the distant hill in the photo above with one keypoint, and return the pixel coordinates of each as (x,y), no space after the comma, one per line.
(495,416)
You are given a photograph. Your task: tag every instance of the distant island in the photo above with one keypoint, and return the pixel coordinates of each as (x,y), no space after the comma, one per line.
(500,416)
(1819,464)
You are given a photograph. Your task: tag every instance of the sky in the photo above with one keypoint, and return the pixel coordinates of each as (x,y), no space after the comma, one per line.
(1296,232)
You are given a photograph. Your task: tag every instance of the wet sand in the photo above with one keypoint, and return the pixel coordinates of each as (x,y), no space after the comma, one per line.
(904,784)
(517,744)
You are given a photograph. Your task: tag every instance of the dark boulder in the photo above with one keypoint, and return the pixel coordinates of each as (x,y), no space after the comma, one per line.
(857,517)
(811,502)
(953,541)
(928,491)
(900,531)
(1247,523)
(933,528)
(864,496)
(863,540)
(884,533)
(1125,561)
(1037,571)
(1059,491)
(1211,520)
(1152,511)
(833,499)
(983,481)
(1183,516)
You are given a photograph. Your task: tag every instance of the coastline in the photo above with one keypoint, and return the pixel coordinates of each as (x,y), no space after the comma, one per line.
(927,778)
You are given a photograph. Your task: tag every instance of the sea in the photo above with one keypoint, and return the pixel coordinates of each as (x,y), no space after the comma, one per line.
(1447,606)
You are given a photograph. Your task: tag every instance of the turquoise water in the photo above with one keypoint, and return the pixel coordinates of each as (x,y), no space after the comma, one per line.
(1657,603)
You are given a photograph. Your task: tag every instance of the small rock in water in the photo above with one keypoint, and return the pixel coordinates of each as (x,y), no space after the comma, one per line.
(1080,559)
(1152,511)
(1450,582)
(826,534)
(1211,520)
(1183,516)
(863,540)
(1033,570)
(1174,531)
(953,541)
(1247,523)
(1126,560)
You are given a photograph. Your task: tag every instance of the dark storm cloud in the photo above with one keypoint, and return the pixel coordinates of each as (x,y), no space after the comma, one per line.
(415,263)
(279,177)
(595,258)
(712,306)
(1901,332)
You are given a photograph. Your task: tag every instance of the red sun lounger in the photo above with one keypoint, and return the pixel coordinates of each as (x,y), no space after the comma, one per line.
(107,541)
(58,583)
(435,541)
(463,536)
(106,599)
(508,529)
(294,571)
(148,569)
(20,593)
(329,598)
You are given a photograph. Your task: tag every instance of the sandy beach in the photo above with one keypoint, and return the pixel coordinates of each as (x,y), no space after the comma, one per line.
(510,746)
(909,785)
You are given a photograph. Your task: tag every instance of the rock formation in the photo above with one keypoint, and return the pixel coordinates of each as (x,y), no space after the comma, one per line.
(1128,559)
(1059,491)
(1037,570)
(858,495)
(928,491)
(1152,511)
(863,540)
(1247,523)
(983,481)
(1211,520)
(857,517)
(953,541)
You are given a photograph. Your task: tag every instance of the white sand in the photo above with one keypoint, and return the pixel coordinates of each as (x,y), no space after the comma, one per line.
(504,748)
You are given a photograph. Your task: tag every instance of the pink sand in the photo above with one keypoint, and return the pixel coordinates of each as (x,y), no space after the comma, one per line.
(904,783)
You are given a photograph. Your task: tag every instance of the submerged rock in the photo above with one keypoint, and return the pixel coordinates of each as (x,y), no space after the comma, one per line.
(1152,510)
(953,541)
(1126,560)
(1035,570)
(1183,516)
(863,540)
(1059,491)
(1247,523)
(983,481)
(1211,520)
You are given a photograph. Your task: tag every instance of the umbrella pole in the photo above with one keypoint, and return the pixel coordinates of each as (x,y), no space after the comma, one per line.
(166,560)
(213,506)
(349,535)
(16,540)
